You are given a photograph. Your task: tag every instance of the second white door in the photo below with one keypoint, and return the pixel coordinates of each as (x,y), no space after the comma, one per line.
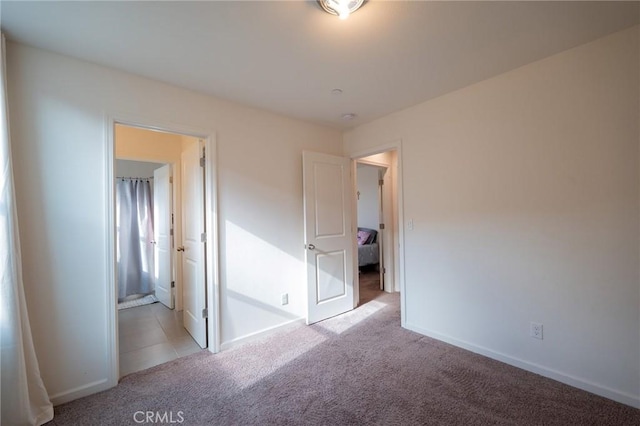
(162,234)
(193,249)
(329,238)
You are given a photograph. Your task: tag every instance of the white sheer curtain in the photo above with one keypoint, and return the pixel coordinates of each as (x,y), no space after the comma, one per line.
(134,222)
(24,398)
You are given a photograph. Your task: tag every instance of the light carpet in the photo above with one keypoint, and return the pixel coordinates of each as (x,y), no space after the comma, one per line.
(360,368)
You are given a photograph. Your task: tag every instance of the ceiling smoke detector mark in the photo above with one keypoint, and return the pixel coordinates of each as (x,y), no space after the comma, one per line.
(348,117)
(336,92)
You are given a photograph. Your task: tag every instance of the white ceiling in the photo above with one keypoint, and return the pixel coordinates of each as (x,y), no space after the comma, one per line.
(287,56)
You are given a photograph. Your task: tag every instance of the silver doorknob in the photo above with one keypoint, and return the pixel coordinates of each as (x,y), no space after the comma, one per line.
(311,247)
(181,248)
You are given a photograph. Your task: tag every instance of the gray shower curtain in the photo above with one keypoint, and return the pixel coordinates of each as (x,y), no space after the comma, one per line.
(134,224)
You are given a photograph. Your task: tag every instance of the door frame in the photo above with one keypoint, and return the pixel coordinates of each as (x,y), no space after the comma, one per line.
(211,223)
(382,214)
(398,251)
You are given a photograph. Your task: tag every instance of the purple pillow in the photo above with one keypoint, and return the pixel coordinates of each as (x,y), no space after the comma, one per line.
(363,236)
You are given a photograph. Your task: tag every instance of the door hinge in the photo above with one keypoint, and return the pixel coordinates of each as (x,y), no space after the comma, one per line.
(170,179)
(381,182)
(203,237)
(384,270)
(382,226)
(202,161)
(171,232)
(205,313)
(173,284)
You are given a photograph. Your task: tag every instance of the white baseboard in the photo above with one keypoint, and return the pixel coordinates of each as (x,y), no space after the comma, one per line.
(261,334)
(622,397)
(104,384)
(80,391)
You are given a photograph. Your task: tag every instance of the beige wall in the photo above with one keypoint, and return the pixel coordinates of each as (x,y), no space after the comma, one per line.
(134,143)
(368,194)
(59,108)
(524,193)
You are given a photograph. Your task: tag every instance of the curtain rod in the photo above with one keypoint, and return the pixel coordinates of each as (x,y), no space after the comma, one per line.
(133,178)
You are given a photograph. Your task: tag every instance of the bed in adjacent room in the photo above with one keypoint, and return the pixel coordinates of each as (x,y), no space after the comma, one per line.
(368,250)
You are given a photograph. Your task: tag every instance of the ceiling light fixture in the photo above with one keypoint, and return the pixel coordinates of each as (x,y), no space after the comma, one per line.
(348,117)
(340,8)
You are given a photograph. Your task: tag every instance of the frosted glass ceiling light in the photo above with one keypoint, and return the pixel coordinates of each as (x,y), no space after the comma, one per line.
(340,8)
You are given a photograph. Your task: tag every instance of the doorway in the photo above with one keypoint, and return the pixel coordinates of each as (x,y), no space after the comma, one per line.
(377,201)
(157,332)
(370,180)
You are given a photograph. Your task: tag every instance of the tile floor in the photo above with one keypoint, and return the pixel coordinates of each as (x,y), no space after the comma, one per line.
(151,335)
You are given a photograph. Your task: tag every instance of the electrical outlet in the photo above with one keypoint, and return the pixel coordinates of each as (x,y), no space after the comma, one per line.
(285,298)
(535,330)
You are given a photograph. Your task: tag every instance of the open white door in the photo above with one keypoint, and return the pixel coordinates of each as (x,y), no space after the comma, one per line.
(162,234)
(193,249)
(381,228)
(328,236)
